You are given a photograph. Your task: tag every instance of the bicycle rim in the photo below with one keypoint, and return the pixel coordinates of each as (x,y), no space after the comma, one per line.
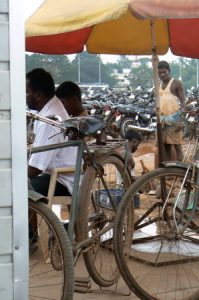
(162,262)
(97,217)
(51,271)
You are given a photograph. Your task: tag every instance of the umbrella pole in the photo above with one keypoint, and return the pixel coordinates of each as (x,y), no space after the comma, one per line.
(160,145)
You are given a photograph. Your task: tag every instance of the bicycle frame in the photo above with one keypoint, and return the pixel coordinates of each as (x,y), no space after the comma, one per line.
(81,146)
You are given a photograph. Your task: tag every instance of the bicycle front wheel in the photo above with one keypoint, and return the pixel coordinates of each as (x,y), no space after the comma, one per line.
(162,260)
(51,267)
(96,217)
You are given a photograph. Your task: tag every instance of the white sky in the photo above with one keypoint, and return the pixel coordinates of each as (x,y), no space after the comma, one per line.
(32,5)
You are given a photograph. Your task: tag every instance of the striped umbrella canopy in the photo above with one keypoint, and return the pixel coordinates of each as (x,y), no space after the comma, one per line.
(115,27)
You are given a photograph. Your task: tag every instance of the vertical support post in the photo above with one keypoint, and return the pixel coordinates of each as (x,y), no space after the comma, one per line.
(78,68)
(99,65)
(157,97)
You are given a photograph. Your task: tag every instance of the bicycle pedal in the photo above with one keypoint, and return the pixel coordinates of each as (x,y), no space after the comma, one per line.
(82,284)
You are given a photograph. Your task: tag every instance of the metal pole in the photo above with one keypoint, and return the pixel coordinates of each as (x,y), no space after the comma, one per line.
(180,77)
(157,97)
(99,69)
(197,73)
(78,67)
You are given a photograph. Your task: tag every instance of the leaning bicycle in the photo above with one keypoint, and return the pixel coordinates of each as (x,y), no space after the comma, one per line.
(101,178)
(161,259)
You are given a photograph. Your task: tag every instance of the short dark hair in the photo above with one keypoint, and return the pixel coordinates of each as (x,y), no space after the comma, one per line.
(42,81)
(164,64)
(133,134)
(68,89)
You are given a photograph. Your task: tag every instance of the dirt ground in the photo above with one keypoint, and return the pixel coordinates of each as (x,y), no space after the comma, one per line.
(146,153)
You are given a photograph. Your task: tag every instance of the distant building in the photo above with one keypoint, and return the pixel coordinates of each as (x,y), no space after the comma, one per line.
(136,63)
(93,85)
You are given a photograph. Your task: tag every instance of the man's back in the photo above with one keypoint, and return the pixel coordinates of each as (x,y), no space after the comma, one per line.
(46,134)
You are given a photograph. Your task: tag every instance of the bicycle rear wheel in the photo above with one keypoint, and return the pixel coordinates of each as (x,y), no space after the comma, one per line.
(51,271)
(96,218)
(162,261)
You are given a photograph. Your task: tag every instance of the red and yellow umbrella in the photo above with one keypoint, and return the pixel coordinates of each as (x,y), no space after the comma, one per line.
(110,27)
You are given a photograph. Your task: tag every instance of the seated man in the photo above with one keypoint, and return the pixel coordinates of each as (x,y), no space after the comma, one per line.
(40,96)
(70,95)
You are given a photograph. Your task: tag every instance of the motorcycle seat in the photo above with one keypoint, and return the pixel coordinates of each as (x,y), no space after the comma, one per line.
(84,125)
(126,109)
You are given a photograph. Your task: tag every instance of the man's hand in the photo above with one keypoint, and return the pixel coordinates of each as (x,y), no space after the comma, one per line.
(33,172)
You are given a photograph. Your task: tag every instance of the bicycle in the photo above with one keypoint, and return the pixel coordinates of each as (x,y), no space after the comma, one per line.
(51,270)
(94,202)
(161,259)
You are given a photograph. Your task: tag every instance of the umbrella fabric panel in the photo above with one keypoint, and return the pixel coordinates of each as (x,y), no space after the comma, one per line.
(63,43)
(128,35)
(69,15)
(184,37)
(165,9)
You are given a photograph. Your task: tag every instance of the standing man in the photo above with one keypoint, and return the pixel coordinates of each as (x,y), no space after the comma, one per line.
(172,99)
(40,96)
(70,95)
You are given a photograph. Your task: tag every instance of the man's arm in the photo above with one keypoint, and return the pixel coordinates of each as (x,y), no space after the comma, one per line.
(33,172)
(180,93)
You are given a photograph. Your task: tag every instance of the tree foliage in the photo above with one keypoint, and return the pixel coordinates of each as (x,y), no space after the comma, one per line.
(91,67)
(141,76)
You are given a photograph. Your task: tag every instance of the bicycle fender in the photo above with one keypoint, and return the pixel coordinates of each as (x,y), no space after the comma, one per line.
(176,164)
(33,195)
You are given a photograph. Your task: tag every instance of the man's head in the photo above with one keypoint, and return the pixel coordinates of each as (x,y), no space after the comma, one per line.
(134,139)
(40,88)
(70,95)
(164,71)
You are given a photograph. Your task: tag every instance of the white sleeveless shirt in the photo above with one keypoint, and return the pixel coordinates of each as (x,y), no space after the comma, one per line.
(169,103)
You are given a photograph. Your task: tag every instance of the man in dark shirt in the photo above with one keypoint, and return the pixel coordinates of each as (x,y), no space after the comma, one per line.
(70,95)
(134,139)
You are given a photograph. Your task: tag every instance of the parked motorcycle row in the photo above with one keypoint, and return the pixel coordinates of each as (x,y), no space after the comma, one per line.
(124,110)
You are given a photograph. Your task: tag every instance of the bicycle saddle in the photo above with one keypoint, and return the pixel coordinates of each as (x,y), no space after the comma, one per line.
(84,125)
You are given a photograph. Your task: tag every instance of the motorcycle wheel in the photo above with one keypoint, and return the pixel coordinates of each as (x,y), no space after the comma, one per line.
(125,125)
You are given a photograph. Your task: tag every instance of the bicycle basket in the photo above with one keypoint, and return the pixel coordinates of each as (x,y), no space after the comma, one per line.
(103,200)
(182,199)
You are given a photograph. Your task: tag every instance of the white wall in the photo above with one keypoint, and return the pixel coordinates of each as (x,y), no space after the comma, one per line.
(13,187)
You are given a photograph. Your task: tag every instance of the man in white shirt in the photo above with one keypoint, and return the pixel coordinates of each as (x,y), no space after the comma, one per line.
(40,96)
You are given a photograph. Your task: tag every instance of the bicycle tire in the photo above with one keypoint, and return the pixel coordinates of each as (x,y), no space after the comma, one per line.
(46,279)
(164,264)
(103,271)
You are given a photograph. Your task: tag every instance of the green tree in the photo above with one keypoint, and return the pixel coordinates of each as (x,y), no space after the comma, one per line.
(58,65)
(186,70)
(141,76)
